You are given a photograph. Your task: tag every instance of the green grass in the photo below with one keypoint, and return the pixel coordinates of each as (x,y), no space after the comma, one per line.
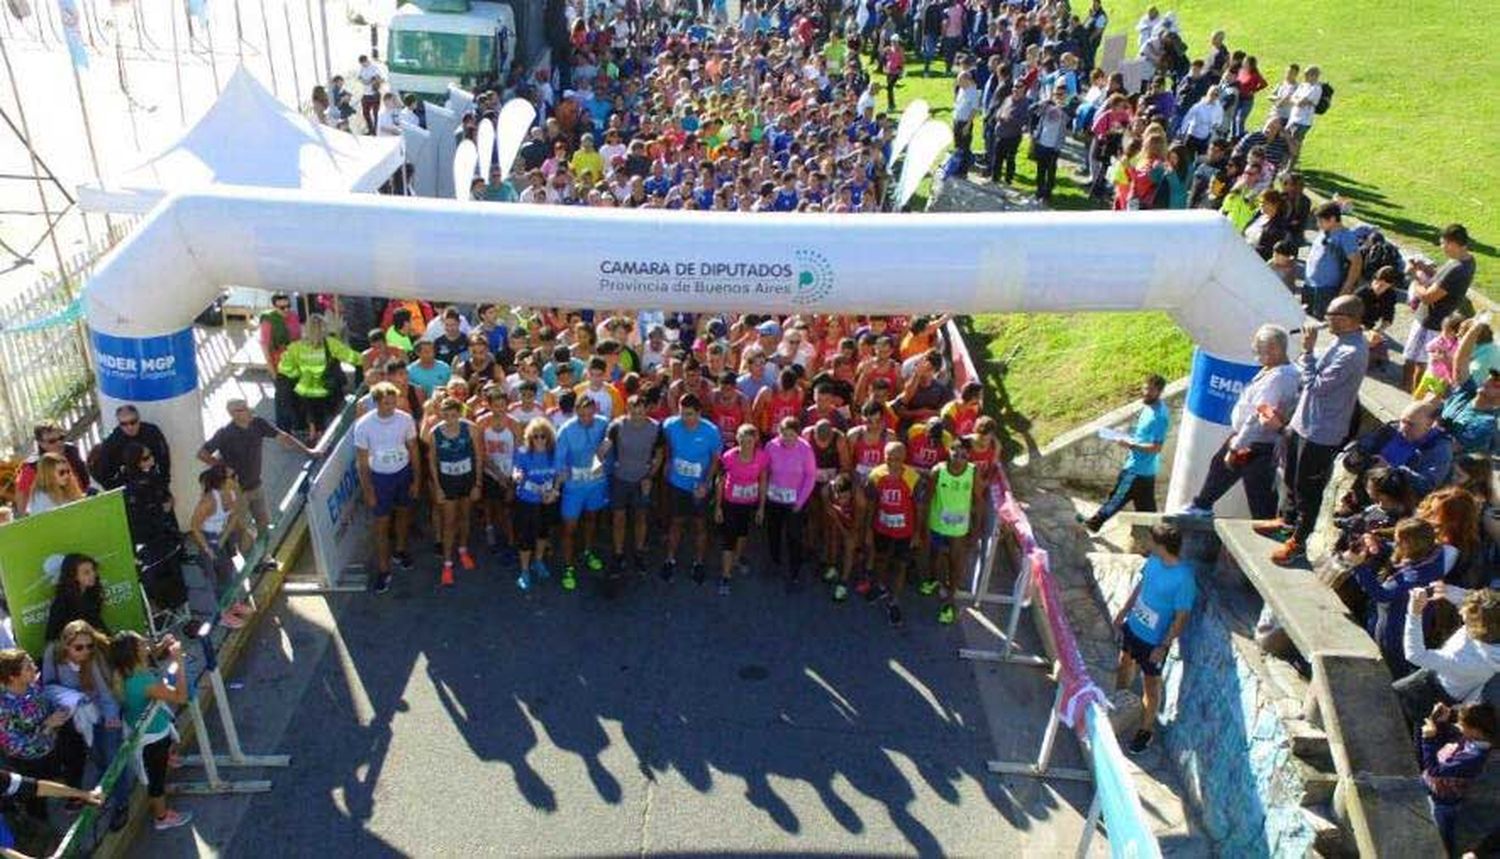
(1404,141)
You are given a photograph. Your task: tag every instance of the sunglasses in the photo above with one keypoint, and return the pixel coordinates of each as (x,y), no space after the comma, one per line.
(82,647)
(129,424)
(65,472)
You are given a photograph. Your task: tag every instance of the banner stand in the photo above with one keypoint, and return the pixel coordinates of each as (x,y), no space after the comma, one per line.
(1041,767)
(214,784)
(1018,599)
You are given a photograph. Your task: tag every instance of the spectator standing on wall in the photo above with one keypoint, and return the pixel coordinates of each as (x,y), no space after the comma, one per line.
(1152,617)
(1260,414)
(1136,482)
(1325,410)
(1438,292)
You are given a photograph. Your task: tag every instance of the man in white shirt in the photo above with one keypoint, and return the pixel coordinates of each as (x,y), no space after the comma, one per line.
(1263,408)
(1304,107)
(385,450)
(1201,120)
(372,78)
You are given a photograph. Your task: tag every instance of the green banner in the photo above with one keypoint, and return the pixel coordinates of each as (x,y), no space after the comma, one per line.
(31,553)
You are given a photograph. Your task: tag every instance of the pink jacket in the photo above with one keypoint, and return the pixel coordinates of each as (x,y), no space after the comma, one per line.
(793,467)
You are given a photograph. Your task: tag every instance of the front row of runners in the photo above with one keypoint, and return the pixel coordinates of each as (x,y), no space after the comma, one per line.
(872,504)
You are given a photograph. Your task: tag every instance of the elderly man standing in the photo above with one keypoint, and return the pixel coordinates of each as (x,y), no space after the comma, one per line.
(1325,410)
(1262,411)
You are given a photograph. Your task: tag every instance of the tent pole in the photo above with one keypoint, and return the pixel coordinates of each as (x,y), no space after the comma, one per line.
(312,38)
(239,34)
(88,136)
(291,43)
(265,23)
(177,64)
(327,54)
(36,166)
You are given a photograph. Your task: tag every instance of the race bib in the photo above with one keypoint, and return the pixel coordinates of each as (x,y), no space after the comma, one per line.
(863,470)
(390,459)
(781,494)
(744,492)
(531,487)
(826,474)
(583,474)
(688,469)
(953,518)
(456,468)
(1145,614)
(893,521)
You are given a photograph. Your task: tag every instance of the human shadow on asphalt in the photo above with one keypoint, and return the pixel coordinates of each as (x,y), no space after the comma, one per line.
(761,687)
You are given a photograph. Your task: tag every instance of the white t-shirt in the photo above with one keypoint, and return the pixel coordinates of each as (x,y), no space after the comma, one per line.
(385,439)
(1305,103)
(369,73)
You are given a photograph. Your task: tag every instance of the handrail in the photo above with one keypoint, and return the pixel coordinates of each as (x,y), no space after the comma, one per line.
(266,544)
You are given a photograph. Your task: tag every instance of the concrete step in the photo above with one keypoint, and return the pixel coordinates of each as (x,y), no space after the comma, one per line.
(1330,840)
(1318,782)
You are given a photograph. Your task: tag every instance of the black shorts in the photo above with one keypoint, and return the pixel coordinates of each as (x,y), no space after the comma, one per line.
(533,522)
(736,524)
(494,491)
(686,505)
(895,548)
(1140,652)
(628,495)
(455,488)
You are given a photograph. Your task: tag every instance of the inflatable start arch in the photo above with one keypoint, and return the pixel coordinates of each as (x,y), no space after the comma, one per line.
(141,301)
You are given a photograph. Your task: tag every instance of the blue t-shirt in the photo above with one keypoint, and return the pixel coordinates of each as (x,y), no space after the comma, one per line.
(576,446)
(1165,591)
(536,474)
(429,379)
(692,452)
(1328,257)
(496,338)
(1150,428)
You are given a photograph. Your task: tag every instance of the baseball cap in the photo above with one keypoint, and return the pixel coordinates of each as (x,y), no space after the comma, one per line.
(769,328)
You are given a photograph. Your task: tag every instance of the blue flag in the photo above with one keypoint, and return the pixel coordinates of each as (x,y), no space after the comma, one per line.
(68,9)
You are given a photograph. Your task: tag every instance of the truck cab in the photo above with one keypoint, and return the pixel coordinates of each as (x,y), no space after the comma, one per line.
(468,43)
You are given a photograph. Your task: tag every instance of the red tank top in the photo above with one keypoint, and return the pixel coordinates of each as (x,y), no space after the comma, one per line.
(895,505)
(925,449)
(892,373)
(727,414)
(984,460)
(868,454)
(784,404)
(964,418)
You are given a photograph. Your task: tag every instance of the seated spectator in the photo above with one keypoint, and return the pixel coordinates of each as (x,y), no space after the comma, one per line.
(1454,747)
(106,460)
(1390,500)
(1456,672)
(49,439)
(1455,515)
(1416,445)
(79,596)
(35,735)
(1388,573)
(1472,411)
(56,484)
(129,655)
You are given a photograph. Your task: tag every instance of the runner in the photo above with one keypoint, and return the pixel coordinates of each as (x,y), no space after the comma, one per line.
(535,478)
(635,442)
(500,432)
(741,498)
(785,400)
(961,414)
(727,407)
(792,477)
(692,464)
(385,446)
(454,447)
(584,488)
(831,453)
(893,492)
(841,541)
(955,492)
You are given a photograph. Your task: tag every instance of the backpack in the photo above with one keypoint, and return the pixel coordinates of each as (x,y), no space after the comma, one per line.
(1376,253)
(1325,100)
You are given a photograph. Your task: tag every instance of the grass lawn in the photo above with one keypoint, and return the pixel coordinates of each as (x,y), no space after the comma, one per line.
(1404,141)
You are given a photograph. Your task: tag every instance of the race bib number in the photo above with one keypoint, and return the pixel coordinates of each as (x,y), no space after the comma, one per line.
(1145,614)
(456,468)
(583,474)
(826,474)
(688,469)
(863,470)
(781,494)
(390,459)
(953,518)
(531,487)
(744,492)
(893,521)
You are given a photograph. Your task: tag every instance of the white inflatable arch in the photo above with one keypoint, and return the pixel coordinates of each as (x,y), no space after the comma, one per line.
(141,301)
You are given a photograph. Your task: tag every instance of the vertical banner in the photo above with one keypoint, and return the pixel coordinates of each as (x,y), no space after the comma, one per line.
(1114,790)
(337,519)
(31,554)
(71,21)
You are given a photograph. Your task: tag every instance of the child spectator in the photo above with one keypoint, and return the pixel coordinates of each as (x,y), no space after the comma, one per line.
(1391,501)
(1416,561)
(1284,263)
(1438,379)
(1454,747)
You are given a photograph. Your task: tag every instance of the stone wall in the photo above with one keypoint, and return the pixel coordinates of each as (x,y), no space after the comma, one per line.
(1232,724)
(1081,460)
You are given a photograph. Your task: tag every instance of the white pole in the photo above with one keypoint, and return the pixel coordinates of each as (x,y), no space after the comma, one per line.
(226,717)
(1049,737)
(327,54)
(205,747)
(1089,825)
(213,61)
(291,43)
(265,23)
(1023,584)
(177,65)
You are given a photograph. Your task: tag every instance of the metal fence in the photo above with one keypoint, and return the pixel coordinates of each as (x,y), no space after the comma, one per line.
(45,370)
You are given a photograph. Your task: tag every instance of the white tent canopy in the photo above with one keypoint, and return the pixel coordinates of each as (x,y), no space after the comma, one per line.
(249,138)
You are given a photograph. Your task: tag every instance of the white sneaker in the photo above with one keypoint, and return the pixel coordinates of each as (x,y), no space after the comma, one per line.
(1196,512)
(172,820)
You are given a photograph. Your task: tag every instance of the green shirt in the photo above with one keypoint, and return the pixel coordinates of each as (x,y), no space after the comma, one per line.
(136,701)
(952,501)
(397,339)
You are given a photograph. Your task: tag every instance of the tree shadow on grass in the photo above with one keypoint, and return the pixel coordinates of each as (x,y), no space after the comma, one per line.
(1015,428)
(1375,208)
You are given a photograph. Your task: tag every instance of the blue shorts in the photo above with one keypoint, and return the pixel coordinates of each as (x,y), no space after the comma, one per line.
(391,491)
(591,498)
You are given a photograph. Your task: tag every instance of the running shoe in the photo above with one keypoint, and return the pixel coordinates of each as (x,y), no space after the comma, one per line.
(1140,743)
(640,564)
(840,592)
(172,820)
(877,593)
(569,578)
(437,547)
(723,587)
(927,587)
(617,569)
(893,614)
(382,582)
(490,538)
(523,581)
(1193,511)
(465,559)
(668,569)
(592,561)
(831,574)
(402,559)
(699,573)
(231,621)
(863,586)
(539,570)
(947,614)
(447,578)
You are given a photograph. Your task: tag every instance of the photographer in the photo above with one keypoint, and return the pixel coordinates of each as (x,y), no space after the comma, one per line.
(1454,746)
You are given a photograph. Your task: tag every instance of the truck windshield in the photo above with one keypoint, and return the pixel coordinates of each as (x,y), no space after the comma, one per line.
(421,53)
